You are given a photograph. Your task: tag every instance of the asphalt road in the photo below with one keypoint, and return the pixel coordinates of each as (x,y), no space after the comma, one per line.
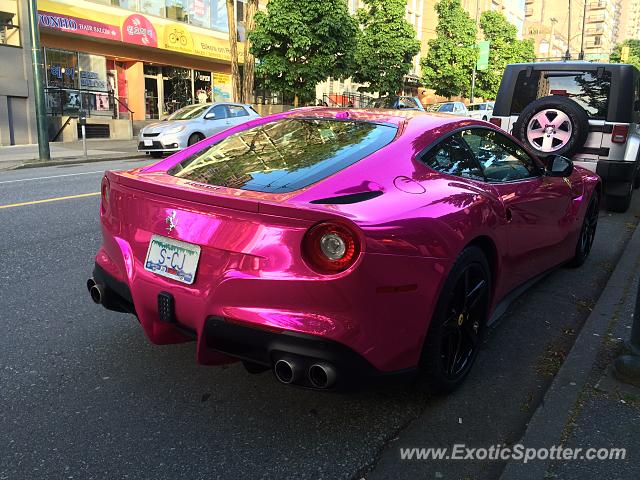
(83,394)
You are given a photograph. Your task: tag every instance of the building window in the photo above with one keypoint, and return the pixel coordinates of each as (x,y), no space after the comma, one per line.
(9,31)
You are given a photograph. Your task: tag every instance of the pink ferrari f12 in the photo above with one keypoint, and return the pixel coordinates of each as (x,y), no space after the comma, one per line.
(339,246)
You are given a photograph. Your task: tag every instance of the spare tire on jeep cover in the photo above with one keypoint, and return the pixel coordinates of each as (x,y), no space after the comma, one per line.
(587,111)
(552,125)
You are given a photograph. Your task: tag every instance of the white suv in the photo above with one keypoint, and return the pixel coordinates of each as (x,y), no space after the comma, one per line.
(589,112)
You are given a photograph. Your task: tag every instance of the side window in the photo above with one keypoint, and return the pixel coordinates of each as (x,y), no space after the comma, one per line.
(501,160)
(446,107)
(453,157)
(237,111)
(219,111)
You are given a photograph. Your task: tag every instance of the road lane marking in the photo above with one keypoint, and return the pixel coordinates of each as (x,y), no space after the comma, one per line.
(47,200)
(52,176)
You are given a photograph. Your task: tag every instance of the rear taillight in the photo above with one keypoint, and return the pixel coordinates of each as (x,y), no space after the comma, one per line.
(619,133)
(104,194)
(496,121)
(330,248)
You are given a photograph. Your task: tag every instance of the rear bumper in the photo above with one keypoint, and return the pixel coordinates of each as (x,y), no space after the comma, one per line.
(228,340)
(617,176)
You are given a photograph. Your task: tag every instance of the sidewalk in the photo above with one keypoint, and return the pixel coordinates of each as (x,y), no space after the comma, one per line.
(586,406)
(24,156)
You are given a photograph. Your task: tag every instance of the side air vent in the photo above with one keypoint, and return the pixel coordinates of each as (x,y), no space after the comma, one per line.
(350,198)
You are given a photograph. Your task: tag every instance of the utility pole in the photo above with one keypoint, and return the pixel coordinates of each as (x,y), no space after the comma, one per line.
(567,55)
(473,74)
(584,20)
(38,83)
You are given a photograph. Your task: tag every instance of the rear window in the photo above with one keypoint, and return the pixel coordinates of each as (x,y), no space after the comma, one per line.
(285,155)
(585,88)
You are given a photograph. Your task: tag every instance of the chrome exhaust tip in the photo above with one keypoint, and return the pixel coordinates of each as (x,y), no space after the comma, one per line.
(97,293)
(321,375)
(286,371)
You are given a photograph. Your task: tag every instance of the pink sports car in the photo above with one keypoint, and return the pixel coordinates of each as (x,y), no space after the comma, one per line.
(335,246)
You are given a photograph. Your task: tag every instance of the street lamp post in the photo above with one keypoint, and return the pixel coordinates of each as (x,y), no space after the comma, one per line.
(567,55)
(474,72)
(38,91)
(584,19)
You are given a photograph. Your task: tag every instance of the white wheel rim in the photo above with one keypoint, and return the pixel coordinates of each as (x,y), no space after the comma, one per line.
(549,130)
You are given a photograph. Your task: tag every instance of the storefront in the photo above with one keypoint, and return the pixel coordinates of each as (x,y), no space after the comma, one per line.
(133,65)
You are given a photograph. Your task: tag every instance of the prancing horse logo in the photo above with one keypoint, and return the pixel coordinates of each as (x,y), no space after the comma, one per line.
(171,221)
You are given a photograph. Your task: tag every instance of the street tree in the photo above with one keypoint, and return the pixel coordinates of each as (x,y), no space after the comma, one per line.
(448,66)
(299,44)
(386,46)
(634,52)
(250,9)
(504,48)
(236,92)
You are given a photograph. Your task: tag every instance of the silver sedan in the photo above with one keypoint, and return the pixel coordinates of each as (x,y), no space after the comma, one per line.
(191,124)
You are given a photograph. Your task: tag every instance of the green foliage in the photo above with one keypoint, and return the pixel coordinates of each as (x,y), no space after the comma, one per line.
(634,52)
(452,54)
(299,44)
(505,48)
(386,46)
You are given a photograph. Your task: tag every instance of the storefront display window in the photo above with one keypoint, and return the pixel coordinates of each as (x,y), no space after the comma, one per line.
(77,81)
(219,15)
(202,86)
(62,69)
(199,13)
(9,24)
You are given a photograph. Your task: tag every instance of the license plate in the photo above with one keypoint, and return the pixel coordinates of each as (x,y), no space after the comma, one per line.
(148,143)
(172,259)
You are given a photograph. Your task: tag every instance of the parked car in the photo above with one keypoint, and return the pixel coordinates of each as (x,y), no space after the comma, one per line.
(453,108)
(586,111)
(397,103)
(480,111)
(294,244)
(191,124)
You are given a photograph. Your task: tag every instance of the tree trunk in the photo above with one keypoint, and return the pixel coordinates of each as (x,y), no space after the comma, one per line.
(249,60)
(295,101)
(233,45)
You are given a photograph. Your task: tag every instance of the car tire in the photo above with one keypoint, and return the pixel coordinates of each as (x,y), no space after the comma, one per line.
(458,322)
(636,180)
(547,109)
(194,138)
(484,118)
(156,154)
(587,231)
(618,204)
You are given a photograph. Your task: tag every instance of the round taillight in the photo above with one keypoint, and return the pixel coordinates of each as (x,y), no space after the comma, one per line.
(104,191)
(330,248)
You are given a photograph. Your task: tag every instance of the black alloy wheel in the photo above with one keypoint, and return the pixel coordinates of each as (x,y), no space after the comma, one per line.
(588,231)
(458,324)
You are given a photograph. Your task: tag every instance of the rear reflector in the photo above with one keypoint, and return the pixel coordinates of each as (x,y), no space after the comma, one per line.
(496,121)
(619,133)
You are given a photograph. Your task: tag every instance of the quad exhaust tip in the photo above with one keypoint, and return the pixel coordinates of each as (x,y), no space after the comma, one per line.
(322,375)
(286,371)
(96,291)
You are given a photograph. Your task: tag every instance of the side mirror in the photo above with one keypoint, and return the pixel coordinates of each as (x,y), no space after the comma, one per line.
(558,166)
(210,116)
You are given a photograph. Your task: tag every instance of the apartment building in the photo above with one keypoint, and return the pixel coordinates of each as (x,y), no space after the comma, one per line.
(552,23)
(629,26)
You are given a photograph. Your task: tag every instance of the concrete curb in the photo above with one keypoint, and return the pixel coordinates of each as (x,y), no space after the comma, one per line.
(72,161)
(548,423)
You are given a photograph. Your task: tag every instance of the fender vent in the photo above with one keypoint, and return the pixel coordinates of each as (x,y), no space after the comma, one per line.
(346,199)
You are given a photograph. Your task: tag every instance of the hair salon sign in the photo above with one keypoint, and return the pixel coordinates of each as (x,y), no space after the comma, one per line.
(79,26)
